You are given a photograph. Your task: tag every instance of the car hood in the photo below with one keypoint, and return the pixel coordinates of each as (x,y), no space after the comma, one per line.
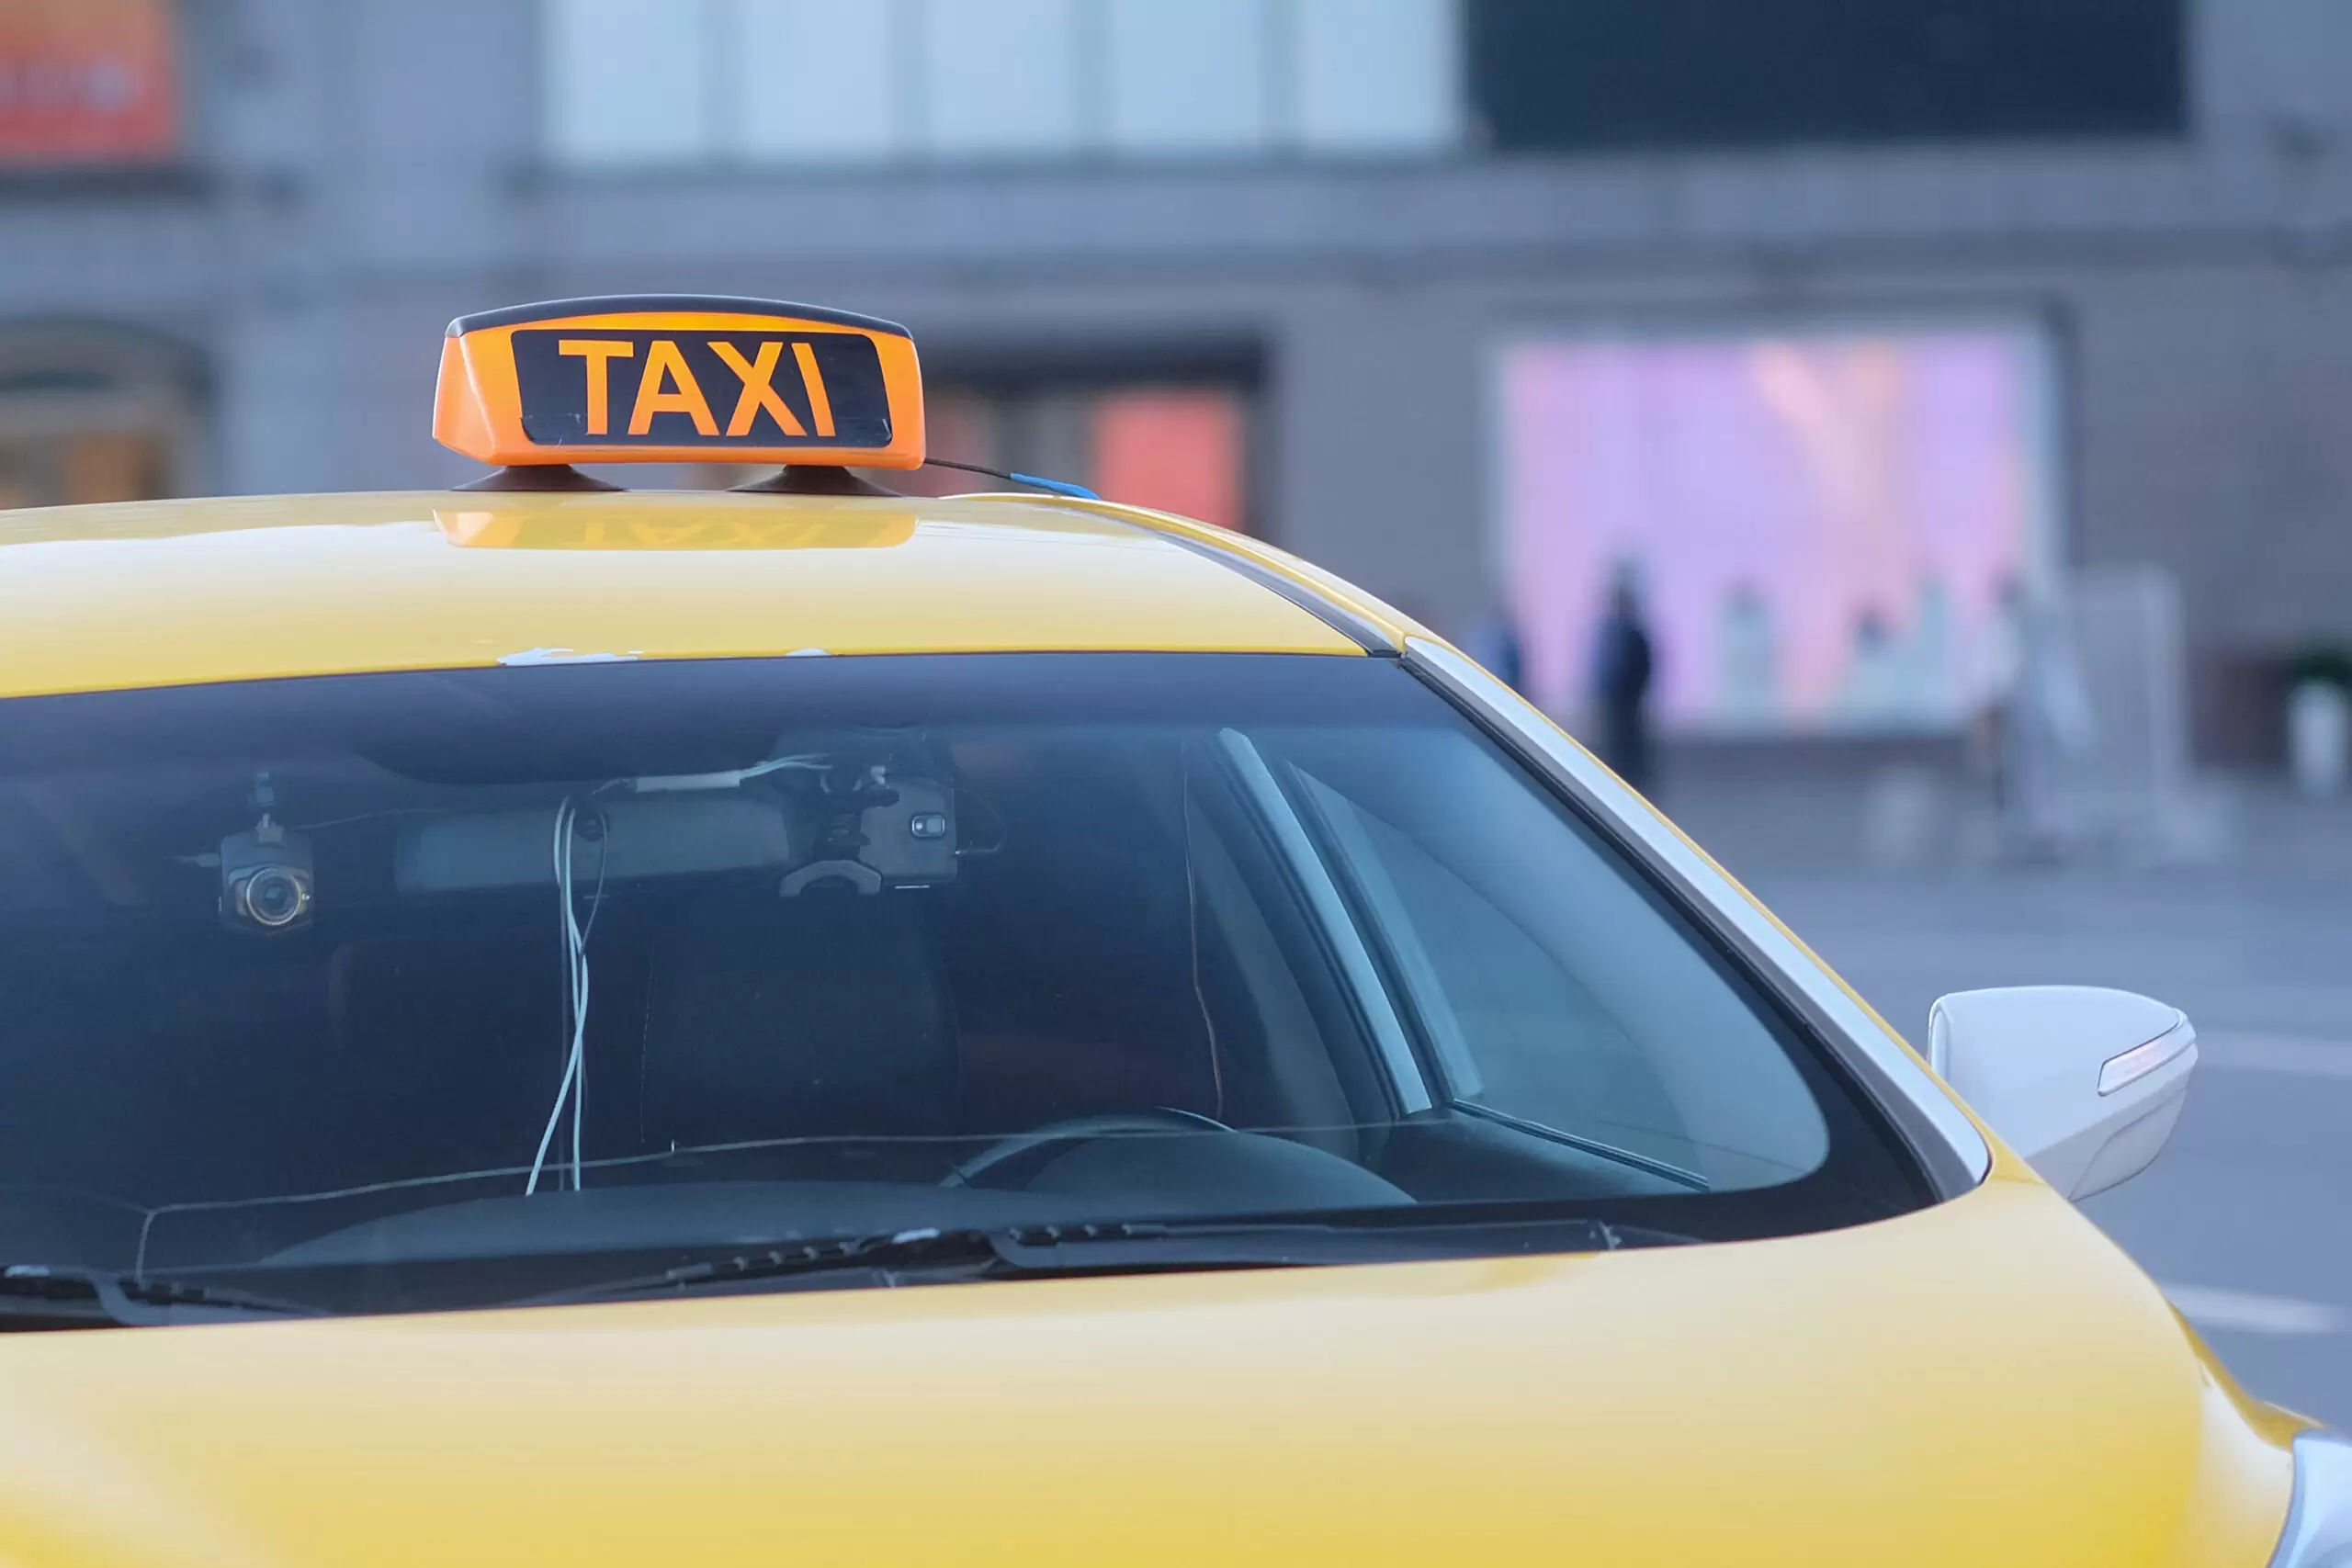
(1984,1382)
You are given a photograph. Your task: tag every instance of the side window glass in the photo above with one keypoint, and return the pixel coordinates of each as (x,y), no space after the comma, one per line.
(1514,1029)
(1551,990)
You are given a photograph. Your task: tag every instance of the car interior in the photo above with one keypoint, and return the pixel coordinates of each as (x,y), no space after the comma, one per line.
(859,976)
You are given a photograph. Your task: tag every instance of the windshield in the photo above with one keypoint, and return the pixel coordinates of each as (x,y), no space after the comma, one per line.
(437,989)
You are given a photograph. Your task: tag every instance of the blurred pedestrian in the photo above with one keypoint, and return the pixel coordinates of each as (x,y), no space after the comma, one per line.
(2000,660)
(1623,663)
(1747,661)
(1494,643)
(2034,722)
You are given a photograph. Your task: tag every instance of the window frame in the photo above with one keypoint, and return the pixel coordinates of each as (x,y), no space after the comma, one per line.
(1941,1141)
(1354,953)
(1407,968)
(1903,1104)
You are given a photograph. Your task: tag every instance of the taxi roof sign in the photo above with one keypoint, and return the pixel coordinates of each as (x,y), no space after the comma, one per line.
(666,378)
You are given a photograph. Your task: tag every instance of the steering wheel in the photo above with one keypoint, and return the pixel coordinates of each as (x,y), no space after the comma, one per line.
(1160,1120)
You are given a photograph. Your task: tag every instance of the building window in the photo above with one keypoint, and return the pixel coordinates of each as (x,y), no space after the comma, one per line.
(629,81)
(830,81)
(996,79)
(1600,76)
(1174,450)
(91,414)
(810,71)
(1180,445)
(87,82)
(1196,77)
(1831,529)
(1376,75)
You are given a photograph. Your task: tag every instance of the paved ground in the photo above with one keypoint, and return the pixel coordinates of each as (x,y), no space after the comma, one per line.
(2246,1220)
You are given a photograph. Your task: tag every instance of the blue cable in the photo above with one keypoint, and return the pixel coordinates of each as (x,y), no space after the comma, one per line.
(1056,487)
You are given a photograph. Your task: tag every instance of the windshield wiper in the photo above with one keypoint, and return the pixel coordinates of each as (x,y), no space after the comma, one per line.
(890,1253)
(32,1294)
(929,1255)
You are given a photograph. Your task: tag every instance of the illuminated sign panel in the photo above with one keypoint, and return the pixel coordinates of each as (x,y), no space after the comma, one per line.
(680,378)
(1833,529)
(661,387)
(87,82)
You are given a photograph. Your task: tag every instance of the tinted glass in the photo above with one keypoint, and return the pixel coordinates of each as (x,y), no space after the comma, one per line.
(437,989)
(1624,74)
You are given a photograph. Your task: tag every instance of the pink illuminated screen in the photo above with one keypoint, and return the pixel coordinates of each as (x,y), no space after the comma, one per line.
(1826,530)
(1178,451)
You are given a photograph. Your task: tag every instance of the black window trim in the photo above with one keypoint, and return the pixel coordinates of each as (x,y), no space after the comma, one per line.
(1352,950)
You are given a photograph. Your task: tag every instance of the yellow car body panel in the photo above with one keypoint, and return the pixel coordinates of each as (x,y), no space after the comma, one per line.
(1384,618)
(1981,1381)
(175,592)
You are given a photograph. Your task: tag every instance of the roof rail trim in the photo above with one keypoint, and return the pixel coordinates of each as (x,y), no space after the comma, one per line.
(1361,630)
(1339,618)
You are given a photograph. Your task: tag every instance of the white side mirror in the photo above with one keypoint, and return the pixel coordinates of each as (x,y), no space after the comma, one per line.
(2084,1083)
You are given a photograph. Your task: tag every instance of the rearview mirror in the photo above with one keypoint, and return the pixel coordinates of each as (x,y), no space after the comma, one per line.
(2084,1083)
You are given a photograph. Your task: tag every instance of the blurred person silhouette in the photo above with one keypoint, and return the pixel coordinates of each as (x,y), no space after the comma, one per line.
(1870,691)
(1494,642)
(1928,679)
(1623,664)
(2050,726)
(1999,664)
(1747,660)
(2033,718)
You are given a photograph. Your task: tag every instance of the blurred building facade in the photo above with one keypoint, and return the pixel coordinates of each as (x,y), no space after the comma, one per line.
(1457,296)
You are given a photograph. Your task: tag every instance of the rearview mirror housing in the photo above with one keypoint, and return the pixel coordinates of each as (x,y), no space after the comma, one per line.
(2084,1083)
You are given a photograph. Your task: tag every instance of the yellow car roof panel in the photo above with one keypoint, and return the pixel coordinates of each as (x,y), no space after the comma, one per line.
(180,592)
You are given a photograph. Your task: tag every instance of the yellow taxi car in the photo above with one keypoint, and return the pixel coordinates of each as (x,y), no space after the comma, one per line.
(508,991)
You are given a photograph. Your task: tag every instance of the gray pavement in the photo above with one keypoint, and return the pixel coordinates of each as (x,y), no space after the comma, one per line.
(2246,1220)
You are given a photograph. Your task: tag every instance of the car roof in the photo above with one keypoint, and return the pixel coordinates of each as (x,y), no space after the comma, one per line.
(151,594)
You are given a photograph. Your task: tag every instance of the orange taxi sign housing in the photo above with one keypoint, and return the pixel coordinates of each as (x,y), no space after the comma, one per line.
(637,378)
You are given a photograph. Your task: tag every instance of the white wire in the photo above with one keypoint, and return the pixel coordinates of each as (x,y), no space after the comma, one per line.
(574,1085)
(563,1088)
(576,951)
(731,778)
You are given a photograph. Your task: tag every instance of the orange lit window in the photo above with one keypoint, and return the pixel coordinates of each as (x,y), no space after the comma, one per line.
(1177,451)
(87,81)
